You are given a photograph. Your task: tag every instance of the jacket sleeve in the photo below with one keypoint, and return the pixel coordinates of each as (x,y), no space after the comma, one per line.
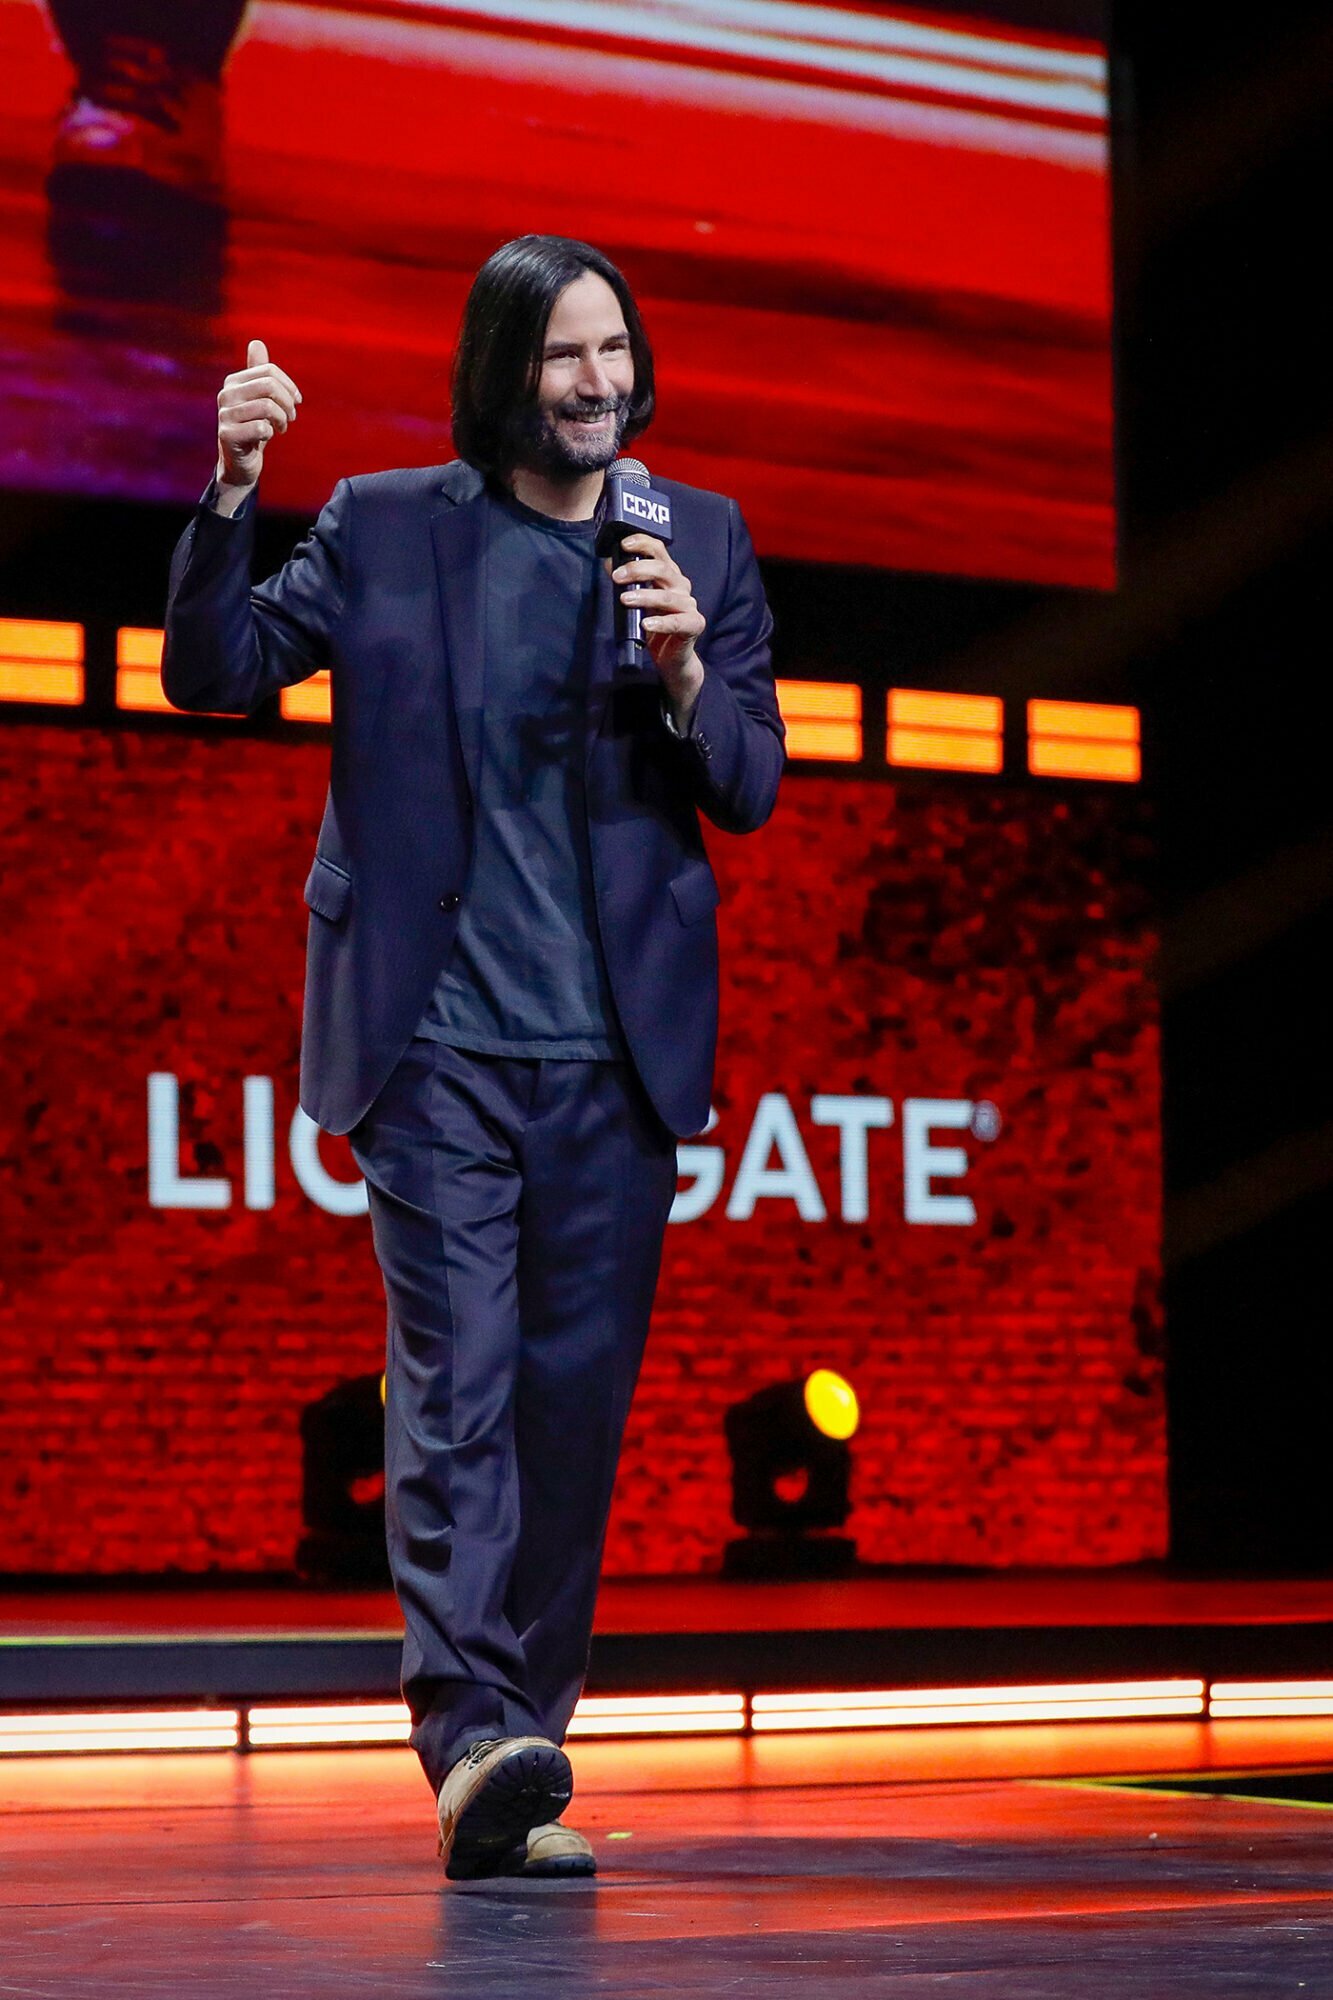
(733,750)
(230,648)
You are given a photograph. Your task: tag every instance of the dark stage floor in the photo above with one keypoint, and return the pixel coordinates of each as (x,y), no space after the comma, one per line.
(863,1866)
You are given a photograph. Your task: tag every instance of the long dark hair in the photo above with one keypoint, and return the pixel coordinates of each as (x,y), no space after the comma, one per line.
(499,356)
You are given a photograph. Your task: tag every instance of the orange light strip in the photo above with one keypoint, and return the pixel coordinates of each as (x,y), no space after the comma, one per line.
(823,720)
(336,1723)
(308,701)
(945,732)
(1084,739)
(1269,1698)
(904,1708)
(365,1723)
(41,660)
(1087,720)
(659,1715)
(139,674)
(148,1729)
(139,669)
(345,1723)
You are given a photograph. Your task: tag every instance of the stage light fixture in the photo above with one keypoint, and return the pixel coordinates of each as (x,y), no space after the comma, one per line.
(791,1477)
(342,1499)
(831,1405)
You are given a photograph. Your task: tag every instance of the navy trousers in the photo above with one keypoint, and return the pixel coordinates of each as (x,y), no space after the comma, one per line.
(518,1210)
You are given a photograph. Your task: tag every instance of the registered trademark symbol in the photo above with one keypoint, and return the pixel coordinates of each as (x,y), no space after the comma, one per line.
(986,1120)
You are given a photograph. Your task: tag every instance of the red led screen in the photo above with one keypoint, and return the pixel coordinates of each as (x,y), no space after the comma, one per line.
(872,247)
(934,1168)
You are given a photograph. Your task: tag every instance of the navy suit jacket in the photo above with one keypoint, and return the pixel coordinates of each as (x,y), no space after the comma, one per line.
(387,592)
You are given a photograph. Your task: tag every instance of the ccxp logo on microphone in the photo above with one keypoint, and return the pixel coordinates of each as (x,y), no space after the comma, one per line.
(655,511)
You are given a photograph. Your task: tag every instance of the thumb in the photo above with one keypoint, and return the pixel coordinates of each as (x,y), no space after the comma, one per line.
(256,355)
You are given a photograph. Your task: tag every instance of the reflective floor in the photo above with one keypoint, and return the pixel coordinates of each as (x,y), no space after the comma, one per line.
(981,1862)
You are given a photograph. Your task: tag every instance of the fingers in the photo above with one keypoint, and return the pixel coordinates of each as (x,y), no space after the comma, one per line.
(259,370)
(689,622)
(255,403)
(645,555)
(643,567)
(659,586)
(662,596)
(655,561)
(258,386)
(258,365)
(270,372)
(667,593)
(257,409)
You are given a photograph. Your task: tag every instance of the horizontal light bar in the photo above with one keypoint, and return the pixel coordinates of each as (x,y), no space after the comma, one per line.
(945,750)
(329,1723)
(903,1708)
(1084,739)
(146,1729)
(659,1715)
(1236,1699)
(925,708)
(308,701)
(1086,720)
(660,1704)
(139,670)
(289,1726)
(41,660)
(823,719)
(325,1724)
(1043,1691)
(1054,757)
(945,732)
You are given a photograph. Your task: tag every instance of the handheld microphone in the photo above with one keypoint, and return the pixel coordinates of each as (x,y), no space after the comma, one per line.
(630,505)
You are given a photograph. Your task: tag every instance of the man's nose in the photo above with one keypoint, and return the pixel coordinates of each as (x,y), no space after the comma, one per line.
(593,380)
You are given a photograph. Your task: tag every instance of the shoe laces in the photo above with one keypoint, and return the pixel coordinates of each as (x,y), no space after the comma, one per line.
(134,74)
(479,1752)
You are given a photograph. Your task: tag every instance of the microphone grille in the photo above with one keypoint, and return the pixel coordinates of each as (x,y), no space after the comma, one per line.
(632,468)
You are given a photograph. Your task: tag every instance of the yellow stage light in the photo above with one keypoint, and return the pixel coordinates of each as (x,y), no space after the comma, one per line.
(831,1405)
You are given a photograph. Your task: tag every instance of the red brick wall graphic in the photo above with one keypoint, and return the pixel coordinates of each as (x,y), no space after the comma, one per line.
(934,1167)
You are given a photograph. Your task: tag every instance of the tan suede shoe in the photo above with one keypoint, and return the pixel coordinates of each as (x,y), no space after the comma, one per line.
(558,1850)
(494,1794)
(551,1850)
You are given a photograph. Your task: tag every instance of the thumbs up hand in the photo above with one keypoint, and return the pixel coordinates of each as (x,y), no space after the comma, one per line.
(254,404)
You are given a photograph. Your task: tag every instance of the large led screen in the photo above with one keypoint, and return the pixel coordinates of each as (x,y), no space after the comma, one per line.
(872,247)
(933,1167)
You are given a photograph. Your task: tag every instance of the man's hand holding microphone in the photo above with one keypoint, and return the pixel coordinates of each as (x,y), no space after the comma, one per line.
(257,402)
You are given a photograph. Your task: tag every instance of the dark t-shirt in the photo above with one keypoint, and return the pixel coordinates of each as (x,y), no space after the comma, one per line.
(526,976)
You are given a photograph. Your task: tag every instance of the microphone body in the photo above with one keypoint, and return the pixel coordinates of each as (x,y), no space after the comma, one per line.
(630,505)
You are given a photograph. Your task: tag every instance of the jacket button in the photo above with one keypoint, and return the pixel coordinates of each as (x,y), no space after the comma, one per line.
(450,903)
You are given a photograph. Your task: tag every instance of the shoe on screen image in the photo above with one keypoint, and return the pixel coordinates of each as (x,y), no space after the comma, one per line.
(875,246)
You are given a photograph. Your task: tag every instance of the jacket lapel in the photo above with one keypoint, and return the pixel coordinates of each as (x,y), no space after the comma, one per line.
(458,531)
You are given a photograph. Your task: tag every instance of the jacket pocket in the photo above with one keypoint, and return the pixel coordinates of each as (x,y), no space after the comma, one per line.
(327,889)
(695,893)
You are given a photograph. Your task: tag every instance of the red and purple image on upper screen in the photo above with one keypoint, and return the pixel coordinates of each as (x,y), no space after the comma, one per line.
(872,246)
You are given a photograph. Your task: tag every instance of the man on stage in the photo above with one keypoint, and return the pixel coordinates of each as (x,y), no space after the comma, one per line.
(511,987)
